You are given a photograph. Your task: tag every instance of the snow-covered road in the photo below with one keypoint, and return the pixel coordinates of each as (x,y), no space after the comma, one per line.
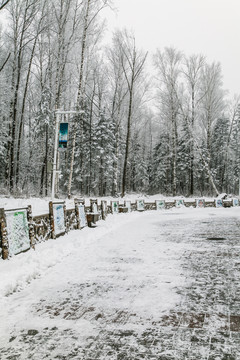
(153,285)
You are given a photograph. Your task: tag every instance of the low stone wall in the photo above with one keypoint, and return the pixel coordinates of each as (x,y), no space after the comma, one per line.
(150,206)
(190,203)
(71,219)
(169,204)
(42,228)
(210,204)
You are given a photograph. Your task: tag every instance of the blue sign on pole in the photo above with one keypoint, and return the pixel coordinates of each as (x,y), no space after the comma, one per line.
(63,135)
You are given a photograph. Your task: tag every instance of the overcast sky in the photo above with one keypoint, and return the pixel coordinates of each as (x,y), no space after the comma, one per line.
(208,27)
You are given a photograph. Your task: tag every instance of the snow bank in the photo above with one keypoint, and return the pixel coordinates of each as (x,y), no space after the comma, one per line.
(23,268)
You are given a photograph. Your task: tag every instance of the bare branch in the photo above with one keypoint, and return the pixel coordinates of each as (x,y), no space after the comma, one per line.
(4,3)
(1,68)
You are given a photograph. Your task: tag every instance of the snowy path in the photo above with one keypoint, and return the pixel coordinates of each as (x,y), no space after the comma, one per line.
(158,287)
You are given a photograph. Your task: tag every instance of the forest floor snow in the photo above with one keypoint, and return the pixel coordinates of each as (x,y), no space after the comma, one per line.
(158,285)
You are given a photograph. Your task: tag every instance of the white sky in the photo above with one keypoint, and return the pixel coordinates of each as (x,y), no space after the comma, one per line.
(208,27)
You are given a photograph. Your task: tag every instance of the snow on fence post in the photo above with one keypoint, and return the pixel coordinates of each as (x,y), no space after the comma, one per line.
(57,211)
(115,207)
(93,206)
(140,205)
(93,216)
(3,235)
(104,209)
(31,227)
(80,213)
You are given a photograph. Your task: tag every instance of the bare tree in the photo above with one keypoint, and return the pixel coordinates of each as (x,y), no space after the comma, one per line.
(5,62)
(79,93)
(39,28)
(194,65)
(92,8)
(117,96)
(233,110)
(22,18)
(168,65)
(212,106)
(3,3)
(132,63)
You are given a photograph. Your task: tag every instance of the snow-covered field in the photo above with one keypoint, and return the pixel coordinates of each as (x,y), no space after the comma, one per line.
(152,285)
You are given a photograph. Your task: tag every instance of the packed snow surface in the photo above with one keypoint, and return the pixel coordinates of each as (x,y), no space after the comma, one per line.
(149,285)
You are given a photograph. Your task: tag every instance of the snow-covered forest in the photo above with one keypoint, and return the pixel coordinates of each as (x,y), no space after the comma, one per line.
(174,131)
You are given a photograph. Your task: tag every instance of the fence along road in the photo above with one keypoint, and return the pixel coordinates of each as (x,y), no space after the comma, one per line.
(59,220)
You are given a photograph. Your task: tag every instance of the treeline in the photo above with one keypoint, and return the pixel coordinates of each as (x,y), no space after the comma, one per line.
(173,133)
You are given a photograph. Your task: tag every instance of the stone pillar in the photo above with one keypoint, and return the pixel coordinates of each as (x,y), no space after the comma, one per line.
(51,218)
(104,209)
(3,234)
(31,227)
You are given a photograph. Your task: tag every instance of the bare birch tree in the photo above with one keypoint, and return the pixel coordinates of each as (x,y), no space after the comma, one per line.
(132,63)
(3,3)
(212,106)
(117,96)
(194,65)
(233,113)
(38,28)
(92,8)
(168,65)
(22,18)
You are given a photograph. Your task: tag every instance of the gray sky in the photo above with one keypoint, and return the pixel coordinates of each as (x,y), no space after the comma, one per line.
(208,27)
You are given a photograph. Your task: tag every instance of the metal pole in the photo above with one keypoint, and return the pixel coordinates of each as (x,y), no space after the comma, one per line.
(239,186)
(58,113)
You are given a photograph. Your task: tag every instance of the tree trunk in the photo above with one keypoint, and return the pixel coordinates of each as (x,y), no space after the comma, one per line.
(174,151)
(124,177)
(23,110)
(44,166)
(79,95)
(191,146)
(18,54)
(90,179)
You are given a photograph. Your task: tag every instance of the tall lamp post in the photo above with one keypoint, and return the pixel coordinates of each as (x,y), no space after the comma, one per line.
(58,120)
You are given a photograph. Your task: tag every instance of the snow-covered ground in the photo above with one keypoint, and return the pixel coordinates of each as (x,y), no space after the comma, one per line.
(152,285)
